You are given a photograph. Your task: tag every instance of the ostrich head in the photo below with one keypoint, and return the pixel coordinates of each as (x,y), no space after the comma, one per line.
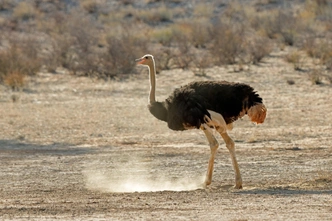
(146,60)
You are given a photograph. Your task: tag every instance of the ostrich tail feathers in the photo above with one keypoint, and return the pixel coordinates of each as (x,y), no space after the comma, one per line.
(257,113)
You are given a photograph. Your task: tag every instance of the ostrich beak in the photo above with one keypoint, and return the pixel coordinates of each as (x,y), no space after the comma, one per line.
(140,60)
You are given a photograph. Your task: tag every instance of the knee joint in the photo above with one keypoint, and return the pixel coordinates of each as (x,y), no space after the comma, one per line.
(230,144)
(214,145)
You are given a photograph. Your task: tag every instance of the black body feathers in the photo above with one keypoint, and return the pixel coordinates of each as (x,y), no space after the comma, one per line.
(185,109)
(187,106)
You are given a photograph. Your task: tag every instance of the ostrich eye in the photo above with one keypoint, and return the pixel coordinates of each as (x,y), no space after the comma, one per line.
(146,57)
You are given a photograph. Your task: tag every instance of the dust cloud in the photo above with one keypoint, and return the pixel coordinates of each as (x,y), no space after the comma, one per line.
(104,183)
(137,176)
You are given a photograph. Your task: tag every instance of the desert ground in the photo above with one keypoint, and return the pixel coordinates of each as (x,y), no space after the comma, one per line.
(77,148)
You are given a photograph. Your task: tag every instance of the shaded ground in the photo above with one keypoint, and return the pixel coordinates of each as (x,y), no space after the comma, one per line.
(78,149)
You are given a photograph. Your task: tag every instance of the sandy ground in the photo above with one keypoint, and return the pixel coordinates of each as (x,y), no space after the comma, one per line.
(85,149)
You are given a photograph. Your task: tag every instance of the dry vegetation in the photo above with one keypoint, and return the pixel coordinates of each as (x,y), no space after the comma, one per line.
(102,38)
(70,144)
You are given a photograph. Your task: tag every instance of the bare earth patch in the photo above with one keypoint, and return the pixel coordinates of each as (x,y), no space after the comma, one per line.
(84,149)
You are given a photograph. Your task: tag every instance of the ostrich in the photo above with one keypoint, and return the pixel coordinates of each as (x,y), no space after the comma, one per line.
(206,105)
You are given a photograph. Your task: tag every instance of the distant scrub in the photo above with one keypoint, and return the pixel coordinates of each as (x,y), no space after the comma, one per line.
(228,44)
(296,58)
(96,38)
(19,58)
(24,10)
(15,80)
(155,16)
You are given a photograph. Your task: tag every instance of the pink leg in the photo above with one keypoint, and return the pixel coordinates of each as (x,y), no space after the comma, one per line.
(231,148)
(213,147)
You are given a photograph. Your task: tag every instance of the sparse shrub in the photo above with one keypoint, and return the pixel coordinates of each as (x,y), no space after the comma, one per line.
(309,46)
(315,77)
(24,11)
(320,8)
(329,77)
(73,44)
(278,24)
(21,56)
(265,22)
(90,6)
(119,59)
(235,12)
(6,63)
(228,43)
(60,53)
(326,54)
(291,28)
(258,48)
(184,55)
(202,61)
(203,10)
(5,4)
(84,34)
(54,23)
(120,55)
(85,49)
(15,80)
(90,40)
(194,32)
(155,15)
(328,63)
(199,33)
(321,49)
(163,35)
(165,56)
(296,59)
(60,43)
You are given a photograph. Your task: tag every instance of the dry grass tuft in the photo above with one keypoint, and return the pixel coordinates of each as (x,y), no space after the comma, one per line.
(296,58)
(15,80)
(316,77)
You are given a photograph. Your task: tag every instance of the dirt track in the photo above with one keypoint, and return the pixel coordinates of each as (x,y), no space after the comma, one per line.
(84,149)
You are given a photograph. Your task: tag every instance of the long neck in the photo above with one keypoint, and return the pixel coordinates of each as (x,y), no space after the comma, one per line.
(152,72)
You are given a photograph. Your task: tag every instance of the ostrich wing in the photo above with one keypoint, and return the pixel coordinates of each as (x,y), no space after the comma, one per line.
(185,110)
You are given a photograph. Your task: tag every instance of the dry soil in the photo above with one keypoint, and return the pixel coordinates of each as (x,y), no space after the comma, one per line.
(85,149)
